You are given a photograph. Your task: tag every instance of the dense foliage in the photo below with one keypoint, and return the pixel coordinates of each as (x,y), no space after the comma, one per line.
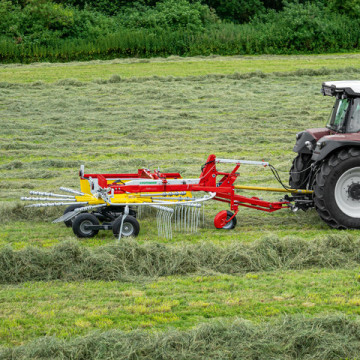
(62,30)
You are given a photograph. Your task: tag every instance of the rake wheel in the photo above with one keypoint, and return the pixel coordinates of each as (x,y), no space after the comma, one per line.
(221,217)
(131,226)
(81,221)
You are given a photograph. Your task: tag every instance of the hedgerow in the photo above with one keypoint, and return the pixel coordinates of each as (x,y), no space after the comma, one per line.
(59,34)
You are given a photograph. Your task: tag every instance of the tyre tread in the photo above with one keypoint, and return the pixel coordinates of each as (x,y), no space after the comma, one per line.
(320,181)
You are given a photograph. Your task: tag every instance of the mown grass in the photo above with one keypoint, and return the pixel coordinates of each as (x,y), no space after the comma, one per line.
(31,310)
(130,261)
(48,130)
(172,66)
(295,337)
(120,124)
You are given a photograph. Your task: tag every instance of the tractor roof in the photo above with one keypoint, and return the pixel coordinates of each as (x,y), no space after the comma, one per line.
(345,87)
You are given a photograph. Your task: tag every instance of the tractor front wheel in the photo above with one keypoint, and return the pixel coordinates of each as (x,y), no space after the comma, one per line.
(337,190)
(300,171)
(221,218)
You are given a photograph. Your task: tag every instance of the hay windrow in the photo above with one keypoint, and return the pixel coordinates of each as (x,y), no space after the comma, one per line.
(116,78)
(130,261)
(293,337)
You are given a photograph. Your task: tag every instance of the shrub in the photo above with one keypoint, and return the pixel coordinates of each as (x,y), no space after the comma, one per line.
(307,27)
(168,14)
(238,11)
(10,15)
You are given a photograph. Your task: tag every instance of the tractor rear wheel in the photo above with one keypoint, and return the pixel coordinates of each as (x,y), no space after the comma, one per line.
(300,171)
(337,190)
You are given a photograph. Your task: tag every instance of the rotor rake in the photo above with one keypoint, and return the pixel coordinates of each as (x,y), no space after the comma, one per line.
(115,201)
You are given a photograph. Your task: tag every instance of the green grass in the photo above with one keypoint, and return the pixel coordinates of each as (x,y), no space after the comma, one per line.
(48,130)
(31,310)
(192,107)
(173,66)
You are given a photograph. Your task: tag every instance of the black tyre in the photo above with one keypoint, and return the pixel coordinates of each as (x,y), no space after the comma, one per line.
(131,226)
(300,171)
(79,225)
(232,223)
(220,219)
(68,223)
(337,190)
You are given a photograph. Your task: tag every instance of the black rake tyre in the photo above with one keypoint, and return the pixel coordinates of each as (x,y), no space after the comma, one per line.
(79,225)
(131,226)
(220,218)
(68,223)
(337,190)
(300,171)
(232,223)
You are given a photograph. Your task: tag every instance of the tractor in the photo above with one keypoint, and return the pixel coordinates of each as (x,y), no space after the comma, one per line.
(328,160)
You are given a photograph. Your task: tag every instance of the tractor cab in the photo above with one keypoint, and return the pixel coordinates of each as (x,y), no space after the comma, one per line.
(345,114)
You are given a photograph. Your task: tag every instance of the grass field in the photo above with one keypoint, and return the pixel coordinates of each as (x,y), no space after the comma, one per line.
(173,66)
(119,116)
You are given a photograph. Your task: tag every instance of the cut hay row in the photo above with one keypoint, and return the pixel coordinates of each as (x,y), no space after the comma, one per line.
(130,261)
(295,337)
(115,78)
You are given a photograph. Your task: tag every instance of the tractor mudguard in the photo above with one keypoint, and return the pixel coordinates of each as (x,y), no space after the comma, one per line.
(329,144)
(311,135)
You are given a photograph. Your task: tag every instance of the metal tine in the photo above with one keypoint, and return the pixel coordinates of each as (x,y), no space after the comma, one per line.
(158,221)
(177,217)
(198,217)
(23,198)
(183,218)
(163,217)
(203,215)
(170,215)
(185,222)
(187,217)
(56,204)
(192,219)
(41,193)
(72,191)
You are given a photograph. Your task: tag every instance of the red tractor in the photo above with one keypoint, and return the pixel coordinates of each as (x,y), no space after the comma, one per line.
(328,160)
